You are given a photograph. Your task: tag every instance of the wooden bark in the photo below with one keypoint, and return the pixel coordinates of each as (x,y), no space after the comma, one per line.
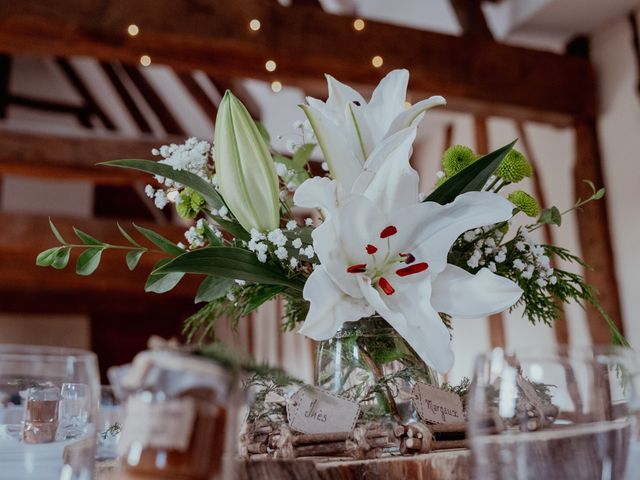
(474,74)
(593,227)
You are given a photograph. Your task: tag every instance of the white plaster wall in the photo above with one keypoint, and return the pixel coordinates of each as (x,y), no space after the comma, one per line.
(619,128)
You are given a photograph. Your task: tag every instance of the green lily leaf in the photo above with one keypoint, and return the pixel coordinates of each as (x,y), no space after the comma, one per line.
(159,241)
(162,282)
(233,228)
(88,261)
(472,178)
(302,155)
(61,258)
(46,258)
(229,262)
(213,288)
(189,179)
(264,133)
(208,233)
(133,257)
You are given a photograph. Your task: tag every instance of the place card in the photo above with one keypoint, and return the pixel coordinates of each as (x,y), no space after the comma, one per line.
(313,410)
(437,406)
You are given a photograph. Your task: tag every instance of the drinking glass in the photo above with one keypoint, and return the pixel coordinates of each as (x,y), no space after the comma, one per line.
(110,417)
(39,387)
(75,404)
(558,413)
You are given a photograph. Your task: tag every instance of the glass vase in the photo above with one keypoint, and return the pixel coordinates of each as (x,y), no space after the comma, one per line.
(369,362)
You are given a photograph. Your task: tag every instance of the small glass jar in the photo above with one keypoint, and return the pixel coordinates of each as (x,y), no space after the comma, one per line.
(182,420)
(356,361)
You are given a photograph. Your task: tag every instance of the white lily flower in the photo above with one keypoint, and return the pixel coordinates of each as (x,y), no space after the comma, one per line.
(246,173)
(349,129)
(382,251)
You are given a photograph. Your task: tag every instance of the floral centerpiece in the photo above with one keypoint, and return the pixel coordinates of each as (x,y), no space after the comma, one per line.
(378,267)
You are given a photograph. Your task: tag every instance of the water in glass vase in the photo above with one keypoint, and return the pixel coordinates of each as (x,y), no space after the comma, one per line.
(369,362)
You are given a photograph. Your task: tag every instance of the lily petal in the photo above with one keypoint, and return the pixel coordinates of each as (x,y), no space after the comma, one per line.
(428,229)
(343,165)
(415,320)
(319,192)
(340,95)
(329,307)
(387,101)
(396,184)
(413,115)
(462,294)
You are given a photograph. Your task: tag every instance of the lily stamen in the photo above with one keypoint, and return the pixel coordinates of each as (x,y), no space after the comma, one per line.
(412,269)
(357,268)
(388,231)
(386,286)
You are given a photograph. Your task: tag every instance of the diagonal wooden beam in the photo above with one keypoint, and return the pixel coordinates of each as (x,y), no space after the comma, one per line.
(201,97)
(223,84)
(480,76)
(89,100)
(125,96)
(81,112)
(167,119)
(5,73)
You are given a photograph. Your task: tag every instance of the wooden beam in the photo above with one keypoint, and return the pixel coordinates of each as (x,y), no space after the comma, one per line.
(480,76)
(5,74)
(560,327)
(497,335)
(72,158)
(593,229)
(471,19)
(223,84)
(25,287)
(89,101)
(125,96)
(206,104)
(79,111)
(164,114)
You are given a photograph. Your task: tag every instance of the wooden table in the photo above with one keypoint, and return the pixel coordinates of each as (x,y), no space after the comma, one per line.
(441,465)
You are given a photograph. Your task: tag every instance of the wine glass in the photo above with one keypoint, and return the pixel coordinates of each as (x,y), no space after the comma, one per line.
(36,385)
(558,413)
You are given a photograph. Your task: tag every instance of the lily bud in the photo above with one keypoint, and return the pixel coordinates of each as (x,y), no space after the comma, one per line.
(246,174)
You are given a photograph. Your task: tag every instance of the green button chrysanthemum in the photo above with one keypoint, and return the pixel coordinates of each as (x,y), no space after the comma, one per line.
(514,167)
(190,203)
(457,158)
(525,203)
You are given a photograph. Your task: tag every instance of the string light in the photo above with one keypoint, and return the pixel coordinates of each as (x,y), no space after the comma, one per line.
(254,24)
(276,86)
(133,30)
(270,65)
(145,60)
(358,24)
(377,61)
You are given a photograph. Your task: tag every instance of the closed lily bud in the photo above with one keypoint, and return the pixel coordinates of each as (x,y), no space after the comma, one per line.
(246,174)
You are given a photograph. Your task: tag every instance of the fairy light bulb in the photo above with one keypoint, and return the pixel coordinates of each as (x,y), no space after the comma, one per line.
(276,86)
(145,60)
(133,30)
(377,61)
(255,24)
(270,65)
(358,24)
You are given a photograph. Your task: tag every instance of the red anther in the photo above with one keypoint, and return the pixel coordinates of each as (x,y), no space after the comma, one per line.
(408,258)
(411,269)
(388,231)
(357,268)
(371,249)
(386,286)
